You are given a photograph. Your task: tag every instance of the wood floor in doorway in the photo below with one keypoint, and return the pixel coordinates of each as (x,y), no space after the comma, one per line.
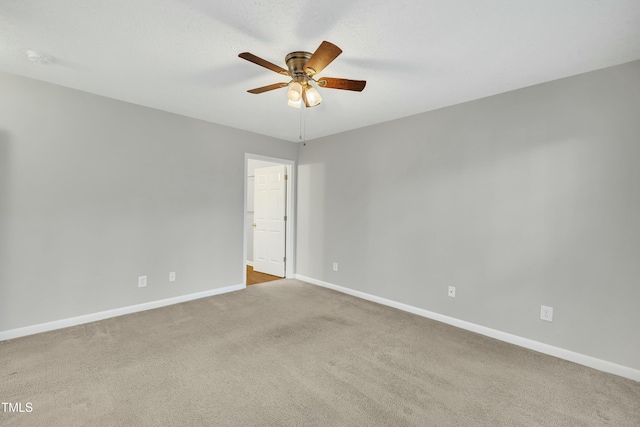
(255,277)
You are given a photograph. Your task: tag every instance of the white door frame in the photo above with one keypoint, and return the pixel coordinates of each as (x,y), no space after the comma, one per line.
(290,240)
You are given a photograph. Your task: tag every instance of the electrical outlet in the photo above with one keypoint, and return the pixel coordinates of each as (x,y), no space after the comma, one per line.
(172,276)
(452,291)
(546,313)
(335,266)
(142,281)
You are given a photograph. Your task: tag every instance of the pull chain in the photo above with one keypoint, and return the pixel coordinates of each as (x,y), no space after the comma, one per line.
(303,126)
(300,137)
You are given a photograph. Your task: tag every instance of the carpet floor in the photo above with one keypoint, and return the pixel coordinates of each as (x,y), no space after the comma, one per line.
(287,353)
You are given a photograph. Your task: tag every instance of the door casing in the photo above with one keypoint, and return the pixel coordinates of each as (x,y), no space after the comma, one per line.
(290,212)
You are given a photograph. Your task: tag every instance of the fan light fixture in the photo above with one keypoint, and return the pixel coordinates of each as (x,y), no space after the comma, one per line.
(295,92)
(303,68)
(295,104)
(299,93)
(313,96)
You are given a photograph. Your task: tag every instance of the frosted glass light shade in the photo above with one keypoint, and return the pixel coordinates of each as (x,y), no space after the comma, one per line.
(295,92)
(295,104)
(313,97)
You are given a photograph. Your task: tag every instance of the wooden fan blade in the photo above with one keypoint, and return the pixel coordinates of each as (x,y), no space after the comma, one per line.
(268,88)
(323,56)
(263,63)
(344,84)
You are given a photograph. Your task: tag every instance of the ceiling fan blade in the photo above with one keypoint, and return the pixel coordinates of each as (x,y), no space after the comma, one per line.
(263,63)
(268,88)
(323,56)
(333,83)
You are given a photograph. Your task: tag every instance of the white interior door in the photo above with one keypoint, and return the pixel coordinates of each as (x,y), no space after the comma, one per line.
(269,209)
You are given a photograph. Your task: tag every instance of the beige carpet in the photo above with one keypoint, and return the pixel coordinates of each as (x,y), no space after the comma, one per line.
(287,353)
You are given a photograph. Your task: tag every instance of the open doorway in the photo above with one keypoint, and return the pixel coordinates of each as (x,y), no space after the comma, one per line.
(269,219)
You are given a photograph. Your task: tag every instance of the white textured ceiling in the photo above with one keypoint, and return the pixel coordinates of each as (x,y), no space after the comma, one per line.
(416,55)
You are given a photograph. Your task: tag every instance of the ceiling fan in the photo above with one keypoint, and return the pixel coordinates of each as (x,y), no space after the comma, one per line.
(302,68)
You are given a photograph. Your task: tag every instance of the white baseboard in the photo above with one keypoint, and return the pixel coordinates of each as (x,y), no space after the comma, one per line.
(94,317)
(582,359)
(249,263)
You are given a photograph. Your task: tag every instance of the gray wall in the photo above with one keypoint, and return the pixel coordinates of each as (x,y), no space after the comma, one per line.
(95,192)
(526,198)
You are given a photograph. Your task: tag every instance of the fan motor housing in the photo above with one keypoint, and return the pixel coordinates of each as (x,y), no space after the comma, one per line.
(296,61)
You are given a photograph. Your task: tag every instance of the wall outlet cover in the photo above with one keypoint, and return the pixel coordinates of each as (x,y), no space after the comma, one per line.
(335,266)
(172,276)
(142,281)
(452,291)
(546,313)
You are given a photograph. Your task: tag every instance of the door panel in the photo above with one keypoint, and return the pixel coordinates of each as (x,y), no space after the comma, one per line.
(269,212)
